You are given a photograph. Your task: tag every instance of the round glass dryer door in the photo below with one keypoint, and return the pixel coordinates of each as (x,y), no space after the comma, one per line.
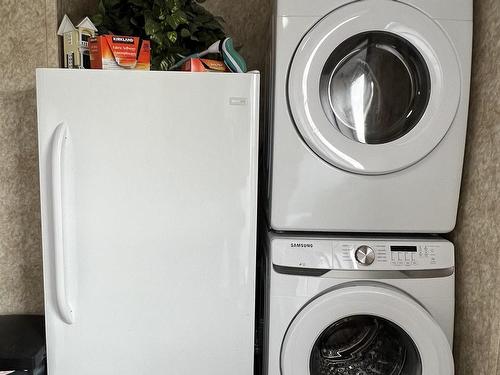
(365,330)
(374,86)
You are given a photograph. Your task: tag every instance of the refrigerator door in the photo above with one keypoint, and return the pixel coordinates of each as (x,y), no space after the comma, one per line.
(148,193)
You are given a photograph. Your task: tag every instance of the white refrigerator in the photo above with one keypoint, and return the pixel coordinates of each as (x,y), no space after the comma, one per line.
(148,198)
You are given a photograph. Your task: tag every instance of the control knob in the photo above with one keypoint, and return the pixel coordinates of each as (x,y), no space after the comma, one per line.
(365,255)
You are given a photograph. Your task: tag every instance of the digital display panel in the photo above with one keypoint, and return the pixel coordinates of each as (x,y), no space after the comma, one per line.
(412,249)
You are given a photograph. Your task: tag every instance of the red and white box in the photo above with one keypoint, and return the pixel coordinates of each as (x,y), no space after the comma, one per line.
(112,52)
(204,65)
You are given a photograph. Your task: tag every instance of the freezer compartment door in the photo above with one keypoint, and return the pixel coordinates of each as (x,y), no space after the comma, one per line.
(148,189)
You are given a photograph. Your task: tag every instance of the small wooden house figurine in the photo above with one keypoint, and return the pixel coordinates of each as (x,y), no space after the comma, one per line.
(76,42)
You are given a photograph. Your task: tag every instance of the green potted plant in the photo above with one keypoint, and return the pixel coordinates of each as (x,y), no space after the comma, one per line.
(176,28)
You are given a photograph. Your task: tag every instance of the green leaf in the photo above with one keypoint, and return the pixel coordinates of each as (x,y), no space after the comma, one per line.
(101,8)
(167,62)
(176,19)
(97,19)
(185,33)
(151,26)
(172,36)
(194,26)
(124,25)
(174,5)
(212,25)
(204,18)
(110,3)
(140,3)
(204,36)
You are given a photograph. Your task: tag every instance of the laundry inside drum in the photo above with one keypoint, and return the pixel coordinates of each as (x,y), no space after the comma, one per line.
(364,345)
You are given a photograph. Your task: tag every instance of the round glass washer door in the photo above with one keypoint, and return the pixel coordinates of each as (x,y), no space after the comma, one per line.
(365,330)
(374,87)
(364,344)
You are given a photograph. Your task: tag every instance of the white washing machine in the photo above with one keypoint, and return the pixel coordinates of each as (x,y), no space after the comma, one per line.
(369,113)
(359,306)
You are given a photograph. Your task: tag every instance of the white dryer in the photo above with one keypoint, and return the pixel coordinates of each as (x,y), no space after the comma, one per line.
(359,306)
(369,114)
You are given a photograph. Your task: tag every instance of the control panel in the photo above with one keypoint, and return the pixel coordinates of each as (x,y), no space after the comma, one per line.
(363,254)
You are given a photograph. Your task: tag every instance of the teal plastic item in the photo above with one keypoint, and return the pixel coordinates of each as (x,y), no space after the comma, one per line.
(234,61)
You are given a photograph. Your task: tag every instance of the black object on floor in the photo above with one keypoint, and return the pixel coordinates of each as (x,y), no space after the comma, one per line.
(22,344)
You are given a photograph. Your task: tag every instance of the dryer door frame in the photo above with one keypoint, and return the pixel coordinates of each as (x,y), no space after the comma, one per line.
(313,53)
(377,300)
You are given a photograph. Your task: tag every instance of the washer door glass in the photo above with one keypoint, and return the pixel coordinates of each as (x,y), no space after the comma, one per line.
(375,87)
(364,345)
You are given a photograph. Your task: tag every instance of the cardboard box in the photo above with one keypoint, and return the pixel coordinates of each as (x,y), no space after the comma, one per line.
(119,52)
(204,65)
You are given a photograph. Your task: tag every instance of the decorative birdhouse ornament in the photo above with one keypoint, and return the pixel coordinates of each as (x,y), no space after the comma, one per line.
(76,42)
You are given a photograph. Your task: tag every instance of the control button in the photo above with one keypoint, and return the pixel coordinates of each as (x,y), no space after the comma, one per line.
(365,255)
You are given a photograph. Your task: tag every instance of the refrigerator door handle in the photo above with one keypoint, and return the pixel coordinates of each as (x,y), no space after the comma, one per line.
(67,313)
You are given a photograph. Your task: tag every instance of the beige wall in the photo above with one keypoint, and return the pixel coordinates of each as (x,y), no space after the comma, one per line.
(247,21)
(478,229)
(477,235)
(27,29)
(75,9)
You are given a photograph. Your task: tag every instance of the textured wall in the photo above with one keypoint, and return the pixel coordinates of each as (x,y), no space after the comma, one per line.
(247,21)
(28,41)
(76,9)
(477,341)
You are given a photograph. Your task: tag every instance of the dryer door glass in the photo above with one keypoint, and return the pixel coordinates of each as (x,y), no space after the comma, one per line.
(367,345)
(375,87)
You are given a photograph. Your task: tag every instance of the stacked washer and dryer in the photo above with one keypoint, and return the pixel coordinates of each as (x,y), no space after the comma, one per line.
(367,124)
